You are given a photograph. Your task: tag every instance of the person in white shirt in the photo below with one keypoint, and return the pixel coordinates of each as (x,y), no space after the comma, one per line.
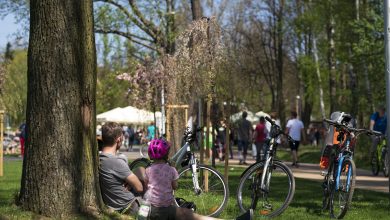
(295,129)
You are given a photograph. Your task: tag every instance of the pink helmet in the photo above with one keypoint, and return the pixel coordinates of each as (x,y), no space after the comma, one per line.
(158,149)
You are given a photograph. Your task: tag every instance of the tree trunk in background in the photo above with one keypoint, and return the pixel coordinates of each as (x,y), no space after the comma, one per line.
(331,62)
(280,59)
(315,53)
(196,9)
(60,175)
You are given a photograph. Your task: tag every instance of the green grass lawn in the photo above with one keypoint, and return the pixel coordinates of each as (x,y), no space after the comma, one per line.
(305,205)
(312,154)
(9,189)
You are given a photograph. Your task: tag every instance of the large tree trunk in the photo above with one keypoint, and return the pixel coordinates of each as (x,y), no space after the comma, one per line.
(60,174)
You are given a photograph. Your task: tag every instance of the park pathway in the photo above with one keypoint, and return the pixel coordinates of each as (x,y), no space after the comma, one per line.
(364,179)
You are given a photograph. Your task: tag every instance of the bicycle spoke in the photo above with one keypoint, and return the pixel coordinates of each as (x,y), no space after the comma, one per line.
(213,195)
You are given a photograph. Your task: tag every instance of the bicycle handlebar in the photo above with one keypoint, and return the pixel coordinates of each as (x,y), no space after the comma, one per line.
(350,129)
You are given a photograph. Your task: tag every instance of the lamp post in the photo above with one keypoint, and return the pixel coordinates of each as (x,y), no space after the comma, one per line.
(298,99)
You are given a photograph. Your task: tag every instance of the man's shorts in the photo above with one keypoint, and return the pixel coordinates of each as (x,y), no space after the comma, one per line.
(294,145)
(133,207)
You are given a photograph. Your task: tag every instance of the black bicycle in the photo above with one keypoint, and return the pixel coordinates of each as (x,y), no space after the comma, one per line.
(267,186)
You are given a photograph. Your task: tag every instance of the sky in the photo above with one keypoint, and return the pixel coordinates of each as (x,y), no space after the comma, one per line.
(7,28)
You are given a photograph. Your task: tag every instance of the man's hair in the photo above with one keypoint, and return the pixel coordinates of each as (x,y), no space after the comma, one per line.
(294,114)
(244,114)
(110,132)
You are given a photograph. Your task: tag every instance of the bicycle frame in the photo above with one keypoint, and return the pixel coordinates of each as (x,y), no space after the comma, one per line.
(178,157)
(380,148)
(340,163)
(269,158)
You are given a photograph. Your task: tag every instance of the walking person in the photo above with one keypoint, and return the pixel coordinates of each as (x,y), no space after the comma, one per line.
(151,131)
(131,132)
(22,138)
(244,133)
(295,129)
(259,137)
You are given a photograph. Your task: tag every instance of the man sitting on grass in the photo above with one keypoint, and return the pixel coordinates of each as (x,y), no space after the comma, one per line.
(118,184)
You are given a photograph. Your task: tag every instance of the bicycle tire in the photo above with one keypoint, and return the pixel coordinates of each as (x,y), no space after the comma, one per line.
(140,162)
(143,151)
(385,163)
(280,179)
(344,192)
(327,184)
(214,195)
(374,165)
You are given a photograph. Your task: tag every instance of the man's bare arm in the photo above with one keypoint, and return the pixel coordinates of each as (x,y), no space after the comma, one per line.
(134,182)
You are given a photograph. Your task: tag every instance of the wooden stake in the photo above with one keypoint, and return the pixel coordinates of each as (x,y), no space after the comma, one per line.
(1,143)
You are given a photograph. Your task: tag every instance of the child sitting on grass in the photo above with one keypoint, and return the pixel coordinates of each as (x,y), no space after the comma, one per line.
(161,180)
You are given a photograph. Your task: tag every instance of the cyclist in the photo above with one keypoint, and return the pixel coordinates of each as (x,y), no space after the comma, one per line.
(378,122)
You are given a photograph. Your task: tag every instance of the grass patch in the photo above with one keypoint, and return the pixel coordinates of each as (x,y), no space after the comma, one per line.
(312,154)
(9,189)
(306,203)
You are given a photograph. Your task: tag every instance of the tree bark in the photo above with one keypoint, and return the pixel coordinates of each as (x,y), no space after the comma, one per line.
(196,9)
(60,175)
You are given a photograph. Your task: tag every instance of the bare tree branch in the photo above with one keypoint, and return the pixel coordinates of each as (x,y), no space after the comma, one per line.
(150,26)
(126,35)
(145,28)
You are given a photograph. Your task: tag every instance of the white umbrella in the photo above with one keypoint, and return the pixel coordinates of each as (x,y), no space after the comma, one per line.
(237,116)
(262,114)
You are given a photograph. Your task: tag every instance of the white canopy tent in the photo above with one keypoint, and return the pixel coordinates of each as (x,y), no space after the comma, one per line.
(262,114)
(129,115)
(251,117)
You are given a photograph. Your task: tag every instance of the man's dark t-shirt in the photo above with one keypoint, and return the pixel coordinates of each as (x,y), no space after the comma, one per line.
(243,131)
(113,172)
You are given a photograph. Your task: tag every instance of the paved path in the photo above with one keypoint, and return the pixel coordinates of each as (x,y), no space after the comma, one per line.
(364,179)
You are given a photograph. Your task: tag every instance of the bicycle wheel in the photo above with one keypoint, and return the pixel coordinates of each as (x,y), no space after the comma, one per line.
(374,164)
(140,162)
(385,163)
(143,151)
(341,195)
(274,198)
(327,185)
(214,192)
